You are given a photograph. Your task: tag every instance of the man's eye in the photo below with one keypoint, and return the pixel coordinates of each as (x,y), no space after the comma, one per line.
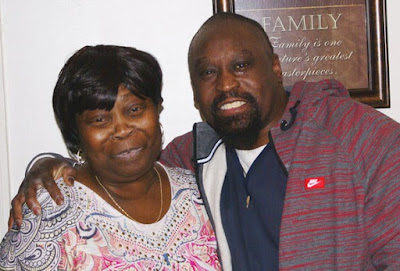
(241,65)
(134,109)
(207,72)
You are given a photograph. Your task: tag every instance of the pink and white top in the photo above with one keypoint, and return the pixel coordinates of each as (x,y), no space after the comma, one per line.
(87,233)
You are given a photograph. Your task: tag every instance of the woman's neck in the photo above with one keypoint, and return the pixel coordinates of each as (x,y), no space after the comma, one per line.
(125,189)
(145,199)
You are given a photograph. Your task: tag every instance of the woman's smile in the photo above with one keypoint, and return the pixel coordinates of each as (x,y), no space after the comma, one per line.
(128,153)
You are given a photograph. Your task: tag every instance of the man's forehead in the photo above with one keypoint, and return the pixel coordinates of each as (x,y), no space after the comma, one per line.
(220,36)
(224,41)
(228,27)
(205,57)
(229,35)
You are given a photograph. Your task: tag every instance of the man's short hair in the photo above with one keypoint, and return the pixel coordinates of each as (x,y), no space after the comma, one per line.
(224,18)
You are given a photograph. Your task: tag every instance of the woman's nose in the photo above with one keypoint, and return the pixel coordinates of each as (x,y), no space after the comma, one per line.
(122,128)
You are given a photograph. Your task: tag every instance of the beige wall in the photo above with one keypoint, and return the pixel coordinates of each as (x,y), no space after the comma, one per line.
(38,36)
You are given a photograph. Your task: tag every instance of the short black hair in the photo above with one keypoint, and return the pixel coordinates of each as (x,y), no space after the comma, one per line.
(90,80)
(224,18)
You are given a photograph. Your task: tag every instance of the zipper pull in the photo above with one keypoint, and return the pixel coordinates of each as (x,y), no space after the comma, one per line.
(247,201)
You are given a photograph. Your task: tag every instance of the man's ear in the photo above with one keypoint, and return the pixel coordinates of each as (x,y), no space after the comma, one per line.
(160,107)
(276,68)
(196,104)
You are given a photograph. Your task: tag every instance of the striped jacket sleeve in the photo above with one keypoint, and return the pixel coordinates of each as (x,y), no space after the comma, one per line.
(382,210)
(373,141)
(179,152)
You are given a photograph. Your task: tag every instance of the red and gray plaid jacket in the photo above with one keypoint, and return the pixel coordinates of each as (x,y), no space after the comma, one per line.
(342,203)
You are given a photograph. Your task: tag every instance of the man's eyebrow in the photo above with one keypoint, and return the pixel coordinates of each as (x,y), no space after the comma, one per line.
(200,62)
(246,53)
(204,60)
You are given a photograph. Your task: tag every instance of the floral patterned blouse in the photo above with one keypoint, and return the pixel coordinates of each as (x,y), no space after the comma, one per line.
(87,233)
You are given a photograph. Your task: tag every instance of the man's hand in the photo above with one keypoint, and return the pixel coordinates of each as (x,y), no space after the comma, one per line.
(42,174)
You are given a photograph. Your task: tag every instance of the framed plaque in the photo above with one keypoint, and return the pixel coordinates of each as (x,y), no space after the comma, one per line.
(319,39)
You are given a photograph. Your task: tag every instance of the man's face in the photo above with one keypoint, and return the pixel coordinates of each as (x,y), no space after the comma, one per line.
(236,82)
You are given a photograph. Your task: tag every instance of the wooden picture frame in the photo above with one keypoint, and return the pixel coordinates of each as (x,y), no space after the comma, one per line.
(371,63)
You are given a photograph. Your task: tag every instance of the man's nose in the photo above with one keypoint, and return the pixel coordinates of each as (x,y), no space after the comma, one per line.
(227,81)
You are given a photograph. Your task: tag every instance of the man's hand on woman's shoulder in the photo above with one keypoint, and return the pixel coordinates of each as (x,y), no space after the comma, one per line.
(43,173)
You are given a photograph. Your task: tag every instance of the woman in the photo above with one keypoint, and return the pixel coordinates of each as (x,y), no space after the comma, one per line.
(126,211)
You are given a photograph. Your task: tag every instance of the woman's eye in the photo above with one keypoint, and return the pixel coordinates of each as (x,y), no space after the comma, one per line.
(135,110)
(98,120)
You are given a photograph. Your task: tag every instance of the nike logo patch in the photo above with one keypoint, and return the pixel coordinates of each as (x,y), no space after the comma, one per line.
(314,183)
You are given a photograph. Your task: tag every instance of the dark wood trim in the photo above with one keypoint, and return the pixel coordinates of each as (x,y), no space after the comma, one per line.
(223,6)
(377,93)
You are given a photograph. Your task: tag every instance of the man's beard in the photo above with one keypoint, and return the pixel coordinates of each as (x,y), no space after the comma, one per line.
(241,131)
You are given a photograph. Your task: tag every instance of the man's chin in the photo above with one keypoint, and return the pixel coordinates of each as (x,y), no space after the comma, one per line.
(240,132)
(243,138)
(243,141)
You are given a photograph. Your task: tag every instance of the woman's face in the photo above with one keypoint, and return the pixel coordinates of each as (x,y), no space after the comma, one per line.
(121,144)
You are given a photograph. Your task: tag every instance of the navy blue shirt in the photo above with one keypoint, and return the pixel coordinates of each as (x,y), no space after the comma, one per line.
(253,231)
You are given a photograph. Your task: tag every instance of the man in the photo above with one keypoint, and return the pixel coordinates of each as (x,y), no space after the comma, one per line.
(305,181)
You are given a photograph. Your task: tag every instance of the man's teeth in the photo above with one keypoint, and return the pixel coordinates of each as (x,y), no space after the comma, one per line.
(232,105)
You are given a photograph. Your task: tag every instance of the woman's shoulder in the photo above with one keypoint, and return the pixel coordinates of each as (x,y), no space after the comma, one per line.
(38,239)
(181,177)
(75,200)
(183,184)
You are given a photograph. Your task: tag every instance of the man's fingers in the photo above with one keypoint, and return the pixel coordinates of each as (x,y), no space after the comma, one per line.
(54,191)
(40,175)
(69,175)
(31,201)
(16,210)
(10,220)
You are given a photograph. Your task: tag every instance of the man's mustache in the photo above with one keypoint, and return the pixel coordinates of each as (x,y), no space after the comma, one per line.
(233,94)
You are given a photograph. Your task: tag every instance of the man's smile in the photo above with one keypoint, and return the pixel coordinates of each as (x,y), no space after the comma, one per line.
(232,105)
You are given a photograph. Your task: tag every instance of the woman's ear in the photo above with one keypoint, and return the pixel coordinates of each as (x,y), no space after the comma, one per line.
(276,68)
